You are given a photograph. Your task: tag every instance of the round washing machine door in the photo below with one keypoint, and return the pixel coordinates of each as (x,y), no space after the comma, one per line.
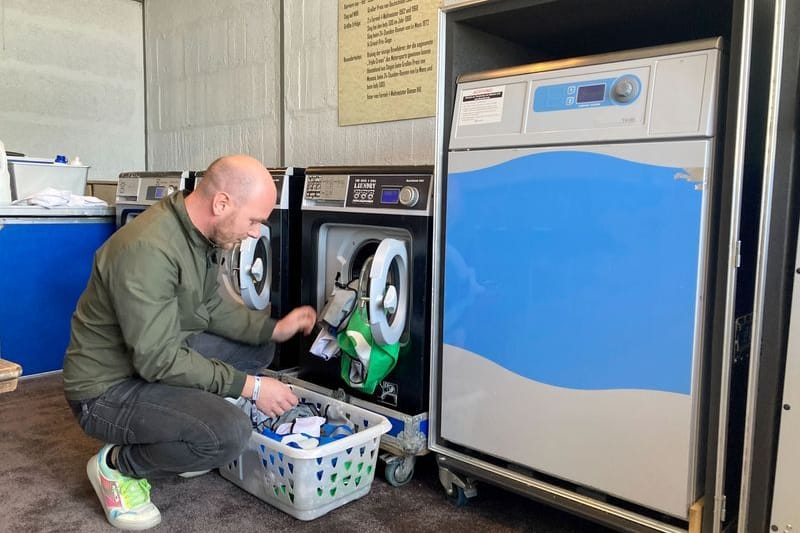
(247,270)
(388,303)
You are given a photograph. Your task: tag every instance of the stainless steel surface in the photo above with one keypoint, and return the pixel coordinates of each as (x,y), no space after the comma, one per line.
(768,180)
(391,212)
(739,130)
(37,211)
(436,246)
(554,495)
(54,220)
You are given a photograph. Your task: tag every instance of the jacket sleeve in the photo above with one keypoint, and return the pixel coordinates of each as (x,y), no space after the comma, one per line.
(235,321)
(143,285)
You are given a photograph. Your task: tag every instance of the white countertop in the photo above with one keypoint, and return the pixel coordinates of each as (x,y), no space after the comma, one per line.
(37,211)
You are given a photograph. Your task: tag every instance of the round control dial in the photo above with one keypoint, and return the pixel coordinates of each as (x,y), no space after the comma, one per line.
(625,89)
(409,196)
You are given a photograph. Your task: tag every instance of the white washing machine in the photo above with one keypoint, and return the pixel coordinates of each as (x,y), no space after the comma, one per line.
(575,270)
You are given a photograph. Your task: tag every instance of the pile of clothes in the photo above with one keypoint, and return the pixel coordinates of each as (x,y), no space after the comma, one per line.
(50,197)
(345,329)
(304,426)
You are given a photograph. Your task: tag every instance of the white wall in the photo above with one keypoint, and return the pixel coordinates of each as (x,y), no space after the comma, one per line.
(213,88)
(312,133)
(213,84)
(72,81)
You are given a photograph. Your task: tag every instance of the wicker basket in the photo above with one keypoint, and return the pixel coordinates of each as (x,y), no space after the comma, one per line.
(9,372)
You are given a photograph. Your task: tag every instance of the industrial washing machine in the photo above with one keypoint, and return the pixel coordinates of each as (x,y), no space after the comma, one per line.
(265,272)
(576,245)
(369,229)
(136,191)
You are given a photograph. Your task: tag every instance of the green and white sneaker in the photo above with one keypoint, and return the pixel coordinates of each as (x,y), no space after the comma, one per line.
(125,500)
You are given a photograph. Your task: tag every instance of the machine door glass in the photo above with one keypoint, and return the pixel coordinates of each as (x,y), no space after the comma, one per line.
(127,214)
(573,289)
(247,270)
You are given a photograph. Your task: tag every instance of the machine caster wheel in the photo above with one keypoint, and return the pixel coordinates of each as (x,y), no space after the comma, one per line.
(457,497)
(459,488)
(398,473)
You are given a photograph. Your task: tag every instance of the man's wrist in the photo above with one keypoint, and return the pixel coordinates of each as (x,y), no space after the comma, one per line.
(256,388)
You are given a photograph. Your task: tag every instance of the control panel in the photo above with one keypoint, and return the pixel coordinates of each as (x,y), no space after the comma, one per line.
(325,189)
(148,188)
(392,192)
(621,90)
(653,93)
(396,192)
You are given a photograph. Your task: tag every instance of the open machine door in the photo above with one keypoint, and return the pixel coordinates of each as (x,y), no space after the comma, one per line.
(246,270)
(388,302)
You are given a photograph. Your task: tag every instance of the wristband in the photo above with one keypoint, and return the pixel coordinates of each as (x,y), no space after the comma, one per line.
(256,389)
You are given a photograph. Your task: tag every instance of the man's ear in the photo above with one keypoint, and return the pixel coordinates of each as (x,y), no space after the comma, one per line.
(220,203)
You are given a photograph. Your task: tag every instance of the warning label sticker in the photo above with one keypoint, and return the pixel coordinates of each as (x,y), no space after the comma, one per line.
(481,106)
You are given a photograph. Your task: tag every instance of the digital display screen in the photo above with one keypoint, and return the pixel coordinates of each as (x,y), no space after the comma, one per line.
(156,192)
(591,93)
(390,196)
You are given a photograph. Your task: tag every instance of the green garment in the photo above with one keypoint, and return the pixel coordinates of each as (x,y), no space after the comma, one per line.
(154,283)
(362,354)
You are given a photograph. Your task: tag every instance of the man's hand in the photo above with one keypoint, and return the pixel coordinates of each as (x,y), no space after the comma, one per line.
(275,397)
(300,319)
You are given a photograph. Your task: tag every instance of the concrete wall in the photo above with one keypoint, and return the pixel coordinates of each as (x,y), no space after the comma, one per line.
(312,133)
(213,81)
(213,87)
(72,81)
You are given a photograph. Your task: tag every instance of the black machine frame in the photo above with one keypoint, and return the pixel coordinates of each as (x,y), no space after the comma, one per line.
(411,375)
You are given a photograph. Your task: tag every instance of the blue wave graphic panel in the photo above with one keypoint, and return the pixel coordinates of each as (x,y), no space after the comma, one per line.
(575,269)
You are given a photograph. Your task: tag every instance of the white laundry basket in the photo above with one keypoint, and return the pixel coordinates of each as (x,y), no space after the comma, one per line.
(30,175)
(308,483)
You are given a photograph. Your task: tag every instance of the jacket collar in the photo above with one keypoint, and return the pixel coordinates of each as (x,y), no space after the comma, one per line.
(178,205)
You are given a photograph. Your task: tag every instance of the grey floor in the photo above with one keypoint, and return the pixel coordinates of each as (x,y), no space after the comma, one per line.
(43,456)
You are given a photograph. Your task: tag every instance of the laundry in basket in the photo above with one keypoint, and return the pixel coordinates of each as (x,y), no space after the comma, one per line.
(309,483)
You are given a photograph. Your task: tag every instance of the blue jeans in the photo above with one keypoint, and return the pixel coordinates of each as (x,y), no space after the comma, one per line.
(163,429)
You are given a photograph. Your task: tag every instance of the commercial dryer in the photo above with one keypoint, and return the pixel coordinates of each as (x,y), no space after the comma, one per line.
(576,253)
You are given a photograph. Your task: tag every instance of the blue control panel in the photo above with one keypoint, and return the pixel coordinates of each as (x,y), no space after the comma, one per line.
(622,90)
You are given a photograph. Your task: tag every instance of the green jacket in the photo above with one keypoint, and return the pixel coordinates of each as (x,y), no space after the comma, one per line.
(154,283)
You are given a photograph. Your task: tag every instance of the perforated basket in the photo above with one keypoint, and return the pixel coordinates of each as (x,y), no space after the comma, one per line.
(308,483)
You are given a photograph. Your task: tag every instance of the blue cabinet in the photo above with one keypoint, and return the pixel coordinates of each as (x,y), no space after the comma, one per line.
(45,263)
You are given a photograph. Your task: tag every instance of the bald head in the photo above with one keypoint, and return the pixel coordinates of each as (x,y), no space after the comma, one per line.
(235,195)
(240,176)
